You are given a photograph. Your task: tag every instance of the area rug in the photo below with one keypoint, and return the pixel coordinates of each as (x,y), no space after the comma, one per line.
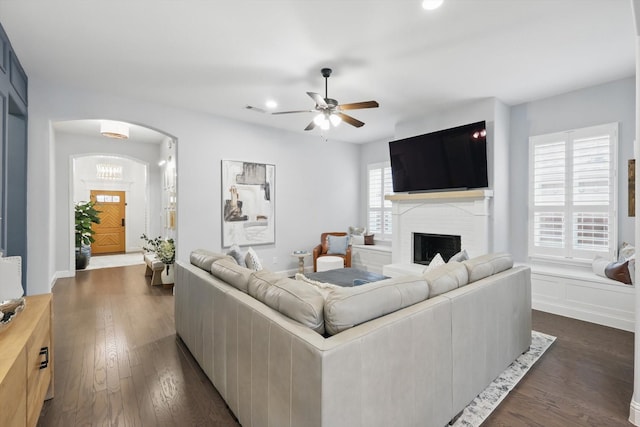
(119,260)
(482,406)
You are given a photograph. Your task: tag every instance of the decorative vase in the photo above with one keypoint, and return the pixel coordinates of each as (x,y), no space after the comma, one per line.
(167,274)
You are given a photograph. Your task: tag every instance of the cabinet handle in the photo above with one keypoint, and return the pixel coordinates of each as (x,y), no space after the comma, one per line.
(44,351)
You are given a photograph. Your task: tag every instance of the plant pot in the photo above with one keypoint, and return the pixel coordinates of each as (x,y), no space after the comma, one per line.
(167,274)
(81,260)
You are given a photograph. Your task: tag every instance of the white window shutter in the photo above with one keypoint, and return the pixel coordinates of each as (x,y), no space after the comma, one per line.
(573,194)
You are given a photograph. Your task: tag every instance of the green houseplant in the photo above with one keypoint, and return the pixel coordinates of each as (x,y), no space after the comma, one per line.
(86,214)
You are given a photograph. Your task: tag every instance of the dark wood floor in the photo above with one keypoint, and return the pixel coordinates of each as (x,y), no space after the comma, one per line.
(118,363)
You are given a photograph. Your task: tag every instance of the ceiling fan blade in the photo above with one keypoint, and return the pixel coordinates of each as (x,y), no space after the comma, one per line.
(310,126)
(359,105)
(293,111)
(351,120)
(256,109)
(319,100)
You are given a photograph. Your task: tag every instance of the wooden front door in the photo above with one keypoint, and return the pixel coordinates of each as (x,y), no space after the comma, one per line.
(109,234)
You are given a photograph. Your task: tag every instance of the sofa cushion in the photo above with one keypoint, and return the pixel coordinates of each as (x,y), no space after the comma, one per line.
(229,271)
(294,299)
(486,265)
(348,307)
(445,278)
(203,258)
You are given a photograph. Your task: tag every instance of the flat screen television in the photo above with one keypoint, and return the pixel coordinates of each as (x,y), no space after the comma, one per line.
(448,159)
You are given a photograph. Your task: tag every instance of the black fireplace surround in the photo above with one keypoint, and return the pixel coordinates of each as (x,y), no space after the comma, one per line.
(427,246)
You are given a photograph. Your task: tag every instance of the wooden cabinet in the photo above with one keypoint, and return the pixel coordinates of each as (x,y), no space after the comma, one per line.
(26,363)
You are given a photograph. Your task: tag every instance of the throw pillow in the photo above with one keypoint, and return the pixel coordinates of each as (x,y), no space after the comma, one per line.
(618,271)
(460,256)
(357,240)
(237,254)
(368,239)
(436,261)
(626,251)
(337,244)
(355,232)
(598,265)
(252,260)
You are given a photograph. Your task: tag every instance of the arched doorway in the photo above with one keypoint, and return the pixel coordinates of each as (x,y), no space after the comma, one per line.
(140,166)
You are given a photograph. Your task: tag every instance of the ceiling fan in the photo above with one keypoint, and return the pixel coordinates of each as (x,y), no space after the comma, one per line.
(330,113)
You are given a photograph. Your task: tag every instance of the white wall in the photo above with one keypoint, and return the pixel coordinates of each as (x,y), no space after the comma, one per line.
(606,103)
(495,113)
(316,181)
(67,146)
(508,152)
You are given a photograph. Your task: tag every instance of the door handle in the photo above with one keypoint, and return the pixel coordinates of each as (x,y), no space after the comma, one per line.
(123,222)
(44,351)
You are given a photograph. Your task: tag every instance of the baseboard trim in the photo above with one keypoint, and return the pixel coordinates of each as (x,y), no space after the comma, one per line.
(634,413)
(587,316)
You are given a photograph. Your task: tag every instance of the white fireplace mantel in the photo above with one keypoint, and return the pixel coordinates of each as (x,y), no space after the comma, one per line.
(464,213)
(441,196)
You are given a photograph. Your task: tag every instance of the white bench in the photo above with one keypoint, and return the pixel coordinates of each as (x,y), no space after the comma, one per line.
(154,268)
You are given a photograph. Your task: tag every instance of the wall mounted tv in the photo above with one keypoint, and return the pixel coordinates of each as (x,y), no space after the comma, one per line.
(448,159)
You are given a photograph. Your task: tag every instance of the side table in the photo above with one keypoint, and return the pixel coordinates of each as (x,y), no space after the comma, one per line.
(301,255)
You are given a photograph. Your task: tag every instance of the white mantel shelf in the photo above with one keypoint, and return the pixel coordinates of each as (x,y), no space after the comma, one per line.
(468,194)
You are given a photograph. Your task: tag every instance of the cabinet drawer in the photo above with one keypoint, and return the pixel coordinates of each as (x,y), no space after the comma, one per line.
(13,395)
(38,376)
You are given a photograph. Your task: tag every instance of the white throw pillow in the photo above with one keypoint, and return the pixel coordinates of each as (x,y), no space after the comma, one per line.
(252,260)
(436,261)
(357,240)
(598,265)
(460,256)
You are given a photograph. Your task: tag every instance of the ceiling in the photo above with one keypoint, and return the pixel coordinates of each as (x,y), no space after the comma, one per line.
(219,56)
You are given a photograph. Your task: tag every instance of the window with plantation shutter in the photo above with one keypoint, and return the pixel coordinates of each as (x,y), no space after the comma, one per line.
(573,194)
(378,209)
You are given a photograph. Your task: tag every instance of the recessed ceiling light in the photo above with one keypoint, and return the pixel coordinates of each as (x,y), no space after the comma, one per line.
(271,104)
(431,4)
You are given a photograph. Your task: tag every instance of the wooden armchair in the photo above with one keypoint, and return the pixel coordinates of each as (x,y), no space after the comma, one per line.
(321,250)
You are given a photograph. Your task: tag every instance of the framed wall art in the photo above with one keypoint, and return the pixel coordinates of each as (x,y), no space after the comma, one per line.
(248,203)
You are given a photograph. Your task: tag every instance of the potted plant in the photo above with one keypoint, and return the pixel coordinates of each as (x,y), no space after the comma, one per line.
(86,215)
(150,245)
(166,252)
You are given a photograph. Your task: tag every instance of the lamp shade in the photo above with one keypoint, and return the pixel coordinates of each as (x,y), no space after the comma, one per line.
(116,130)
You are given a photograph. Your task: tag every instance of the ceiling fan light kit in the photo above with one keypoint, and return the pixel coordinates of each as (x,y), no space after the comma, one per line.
(431,4)
(328,109)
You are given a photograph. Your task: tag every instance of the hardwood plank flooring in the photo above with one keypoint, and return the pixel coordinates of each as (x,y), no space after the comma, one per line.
(119,363)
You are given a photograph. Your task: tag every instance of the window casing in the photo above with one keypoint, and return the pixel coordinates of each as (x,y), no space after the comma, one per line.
(379,183)
(573,194)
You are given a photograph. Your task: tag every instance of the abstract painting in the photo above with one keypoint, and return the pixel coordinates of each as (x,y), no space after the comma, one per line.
(248,209)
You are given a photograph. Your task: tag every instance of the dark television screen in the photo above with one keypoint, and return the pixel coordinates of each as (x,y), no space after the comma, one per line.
(453,158)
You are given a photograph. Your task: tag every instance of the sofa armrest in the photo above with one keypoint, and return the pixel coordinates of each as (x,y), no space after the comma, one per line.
(317,251)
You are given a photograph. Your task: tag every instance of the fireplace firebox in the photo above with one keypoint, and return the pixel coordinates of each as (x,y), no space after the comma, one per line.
(427,246)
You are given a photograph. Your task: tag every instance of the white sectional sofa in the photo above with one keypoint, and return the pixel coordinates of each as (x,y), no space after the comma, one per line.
(408,351)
